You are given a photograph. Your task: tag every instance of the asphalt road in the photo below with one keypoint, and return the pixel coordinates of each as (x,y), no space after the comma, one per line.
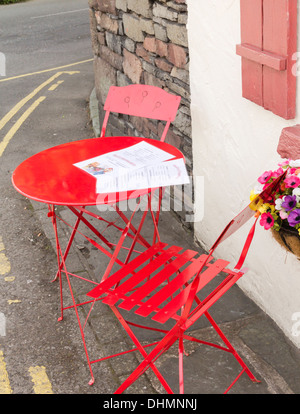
(43,102)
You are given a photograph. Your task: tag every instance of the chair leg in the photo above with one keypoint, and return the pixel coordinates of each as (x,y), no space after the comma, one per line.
(60,262)
(231,349)
(141,240)
(92,380)
(68,245)
(141,369)
(234,381)
(62,266)
(181,351)
(149,358)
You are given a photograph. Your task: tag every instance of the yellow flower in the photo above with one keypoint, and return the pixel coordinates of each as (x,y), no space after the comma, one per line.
(252,195)
(256,202)
(266,208)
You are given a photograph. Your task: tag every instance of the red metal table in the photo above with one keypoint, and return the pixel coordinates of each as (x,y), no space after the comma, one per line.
(50,177)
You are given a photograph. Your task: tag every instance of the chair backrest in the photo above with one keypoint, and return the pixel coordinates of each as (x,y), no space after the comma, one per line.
(142,101)
(249,211)
(234,225)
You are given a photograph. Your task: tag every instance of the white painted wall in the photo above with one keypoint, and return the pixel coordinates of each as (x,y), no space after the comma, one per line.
(234,141)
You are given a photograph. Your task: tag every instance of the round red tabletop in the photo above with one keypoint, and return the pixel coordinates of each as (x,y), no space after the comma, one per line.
(50,176)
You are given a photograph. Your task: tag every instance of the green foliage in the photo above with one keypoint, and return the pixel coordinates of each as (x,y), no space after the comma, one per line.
(10,1)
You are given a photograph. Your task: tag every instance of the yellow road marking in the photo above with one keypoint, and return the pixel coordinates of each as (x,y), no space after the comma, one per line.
(17,125)
(55,85)
(40,380)
(20,104)
(4,380)
(46,70)
(9,278)
(4,262)
(2,247)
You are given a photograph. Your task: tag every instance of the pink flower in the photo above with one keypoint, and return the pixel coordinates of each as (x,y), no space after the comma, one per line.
(284,163)
(278,172)
(265,177)
(266,220)
(283,214)
(292,181)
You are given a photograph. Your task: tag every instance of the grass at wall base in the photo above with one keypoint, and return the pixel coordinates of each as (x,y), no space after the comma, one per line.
(11,1)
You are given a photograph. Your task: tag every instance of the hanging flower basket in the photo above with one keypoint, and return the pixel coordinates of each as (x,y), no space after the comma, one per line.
(281,214)
(289,239)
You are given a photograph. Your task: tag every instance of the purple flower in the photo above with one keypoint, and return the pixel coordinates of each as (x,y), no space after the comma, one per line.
(294,217)
(289,202)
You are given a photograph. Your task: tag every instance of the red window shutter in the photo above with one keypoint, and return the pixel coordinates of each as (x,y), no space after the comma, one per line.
(268,43)
(251,38)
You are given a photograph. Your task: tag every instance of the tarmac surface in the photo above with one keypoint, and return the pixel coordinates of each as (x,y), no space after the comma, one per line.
(272,358)
(31,303)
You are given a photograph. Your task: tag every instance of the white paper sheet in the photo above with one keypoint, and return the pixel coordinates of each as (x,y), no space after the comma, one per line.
(118,162)
(151,176)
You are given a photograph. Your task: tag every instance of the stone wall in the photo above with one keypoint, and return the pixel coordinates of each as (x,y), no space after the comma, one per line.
(143,41)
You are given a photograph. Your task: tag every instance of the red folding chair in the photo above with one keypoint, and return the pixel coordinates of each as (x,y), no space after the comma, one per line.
(144,101)
(166,283)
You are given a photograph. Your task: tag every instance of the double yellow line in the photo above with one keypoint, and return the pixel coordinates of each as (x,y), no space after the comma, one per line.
(4,380)
(17,125)
(25,115)
(38,375)
(5,141)
(41,383)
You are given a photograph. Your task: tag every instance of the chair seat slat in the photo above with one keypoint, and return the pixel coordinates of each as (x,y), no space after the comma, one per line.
(167,291)
(152,284)
(175,304)
(141,275)
(126,270)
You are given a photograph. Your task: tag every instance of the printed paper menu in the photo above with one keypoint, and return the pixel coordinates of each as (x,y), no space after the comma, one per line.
(152,176)
(118,162)
(140,166)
